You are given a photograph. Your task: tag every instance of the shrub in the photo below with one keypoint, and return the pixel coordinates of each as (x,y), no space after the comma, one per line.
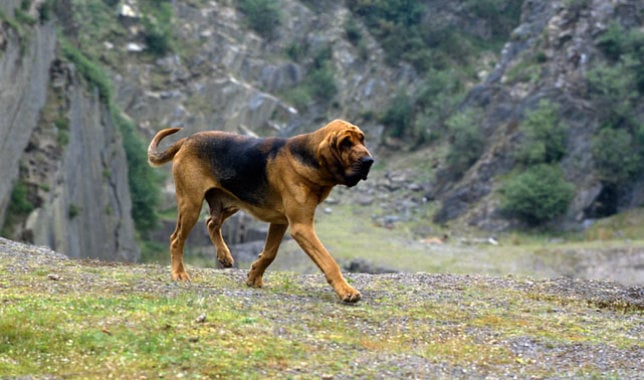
(157,27)
(321,83)
(90,70)
(467,140)
(617,158)
(544,135)
(352,31)
(612,42)
(398,117)
(20,203)
(538,195)
(263,15)
(144,183)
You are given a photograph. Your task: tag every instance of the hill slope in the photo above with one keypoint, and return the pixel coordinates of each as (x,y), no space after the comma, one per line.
(62,317)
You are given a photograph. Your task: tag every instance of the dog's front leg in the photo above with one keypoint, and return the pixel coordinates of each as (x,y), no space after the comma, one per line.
(273,241)
(306,237)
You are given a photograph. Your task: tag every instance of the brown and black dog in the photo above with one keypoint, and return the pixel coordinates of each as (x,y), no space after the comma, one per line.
(280,181)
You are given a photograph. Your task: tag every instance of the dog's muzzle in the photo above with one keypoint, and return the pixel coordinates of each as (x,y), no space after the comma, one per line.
(365,165)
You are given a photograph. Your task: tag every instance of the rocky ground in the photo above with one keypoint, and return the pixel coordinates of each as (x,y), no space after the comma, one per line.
(406,326)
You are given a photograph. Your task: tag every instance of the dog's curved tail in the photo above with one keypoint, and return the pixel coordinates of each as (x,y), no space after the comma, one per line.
(156,158)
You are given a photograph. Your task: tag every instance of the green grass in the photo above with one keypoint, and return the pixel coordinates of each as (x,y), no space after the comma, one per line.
(101,320)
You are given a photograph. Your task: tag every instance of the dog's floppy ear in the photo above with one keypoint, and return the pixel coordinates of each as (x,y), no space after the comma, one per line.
(329,155)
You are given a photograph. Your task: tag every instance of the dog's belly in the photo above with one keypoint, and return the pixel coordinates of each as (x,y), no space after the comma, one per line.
(266,215)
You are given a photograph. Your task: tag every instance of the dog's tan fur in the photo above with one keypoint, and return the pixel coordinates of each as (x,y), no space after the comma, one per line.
(279,181)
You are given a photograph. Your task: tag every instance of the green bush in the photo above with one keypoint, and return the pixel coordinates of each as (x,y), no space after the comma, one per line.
(538,195)
(352,31)
(144,182)
(617,156)
(20,203)
(613,41)
(321,83)
(627,47)
(90,70)
(502,15)
(396,24)
(157,27)
(398,117)
(467,140)
(544,135)
(263,15)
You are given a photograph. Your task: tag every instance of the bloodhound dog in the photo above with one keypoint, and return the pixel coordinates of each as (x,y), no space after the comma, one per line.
(277,180)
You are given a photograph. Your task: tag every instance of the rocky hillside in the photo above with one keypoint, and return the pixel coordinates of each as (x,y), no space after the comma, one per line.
(584,59)
(85,84)
(64,173)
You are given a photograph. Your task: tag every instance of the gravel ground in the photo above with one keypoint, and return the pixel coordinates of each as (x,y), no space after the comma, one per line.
(535,357)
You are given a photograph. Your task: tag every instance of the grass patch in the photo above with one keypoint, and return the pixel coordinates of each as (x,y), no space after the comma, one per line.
(98,320)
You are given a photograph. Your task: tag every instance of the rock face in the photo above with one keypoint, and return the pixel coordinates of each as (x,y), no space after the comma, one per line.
(233,79)
(86,211)
(24,77)
(548,57)
(58,142)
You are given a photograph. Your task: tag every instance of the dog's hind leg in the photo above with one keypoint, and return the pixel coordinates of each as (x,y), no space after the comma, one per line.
(273,241)
(218,213)
(188,216)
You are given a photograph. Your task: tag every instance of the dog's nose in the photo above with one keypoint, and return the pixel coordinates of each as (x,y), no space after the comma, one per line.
(366,161)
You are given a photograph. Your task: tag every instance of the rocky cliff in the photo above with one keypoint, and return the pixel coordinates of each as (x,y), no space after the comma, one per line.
(400,72)
(559,52)
(64,173)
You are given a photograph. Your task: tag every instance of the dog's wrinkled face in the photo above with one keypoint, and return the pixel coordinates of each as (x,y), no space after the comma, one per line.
(345,147)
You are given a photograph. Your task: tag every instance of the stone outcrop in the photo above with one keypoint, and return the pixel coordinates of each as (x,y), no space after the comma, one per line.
(547,57)
(58,141)
(24,78)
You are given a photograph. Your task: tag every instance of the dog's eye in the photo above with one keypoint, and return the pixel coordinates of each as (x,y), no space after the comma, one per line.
(346,143)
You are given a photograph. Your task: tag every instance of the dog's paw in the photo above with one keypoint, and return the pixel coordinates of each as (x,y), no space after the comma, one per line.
(254,281)
(226,261)
(350,296)
(180,276)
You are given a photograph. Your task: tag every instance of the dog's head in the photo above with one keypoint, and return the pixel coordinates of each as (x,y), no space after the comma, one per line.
(344,152)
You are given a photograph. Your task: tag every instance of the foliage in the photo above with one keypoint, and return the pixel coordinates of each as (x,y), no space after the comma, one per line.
(616,88)
(537,195)
(352,31)
(435,100)
(158,27)
(406,33)
(319,83)
(502,15)
(575,5)
(19,203)
(397,24)
(618,157)
(439,50)
(263,15)
(89,69)
(467,140)
(398,117)
(144,182)
(544,135)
